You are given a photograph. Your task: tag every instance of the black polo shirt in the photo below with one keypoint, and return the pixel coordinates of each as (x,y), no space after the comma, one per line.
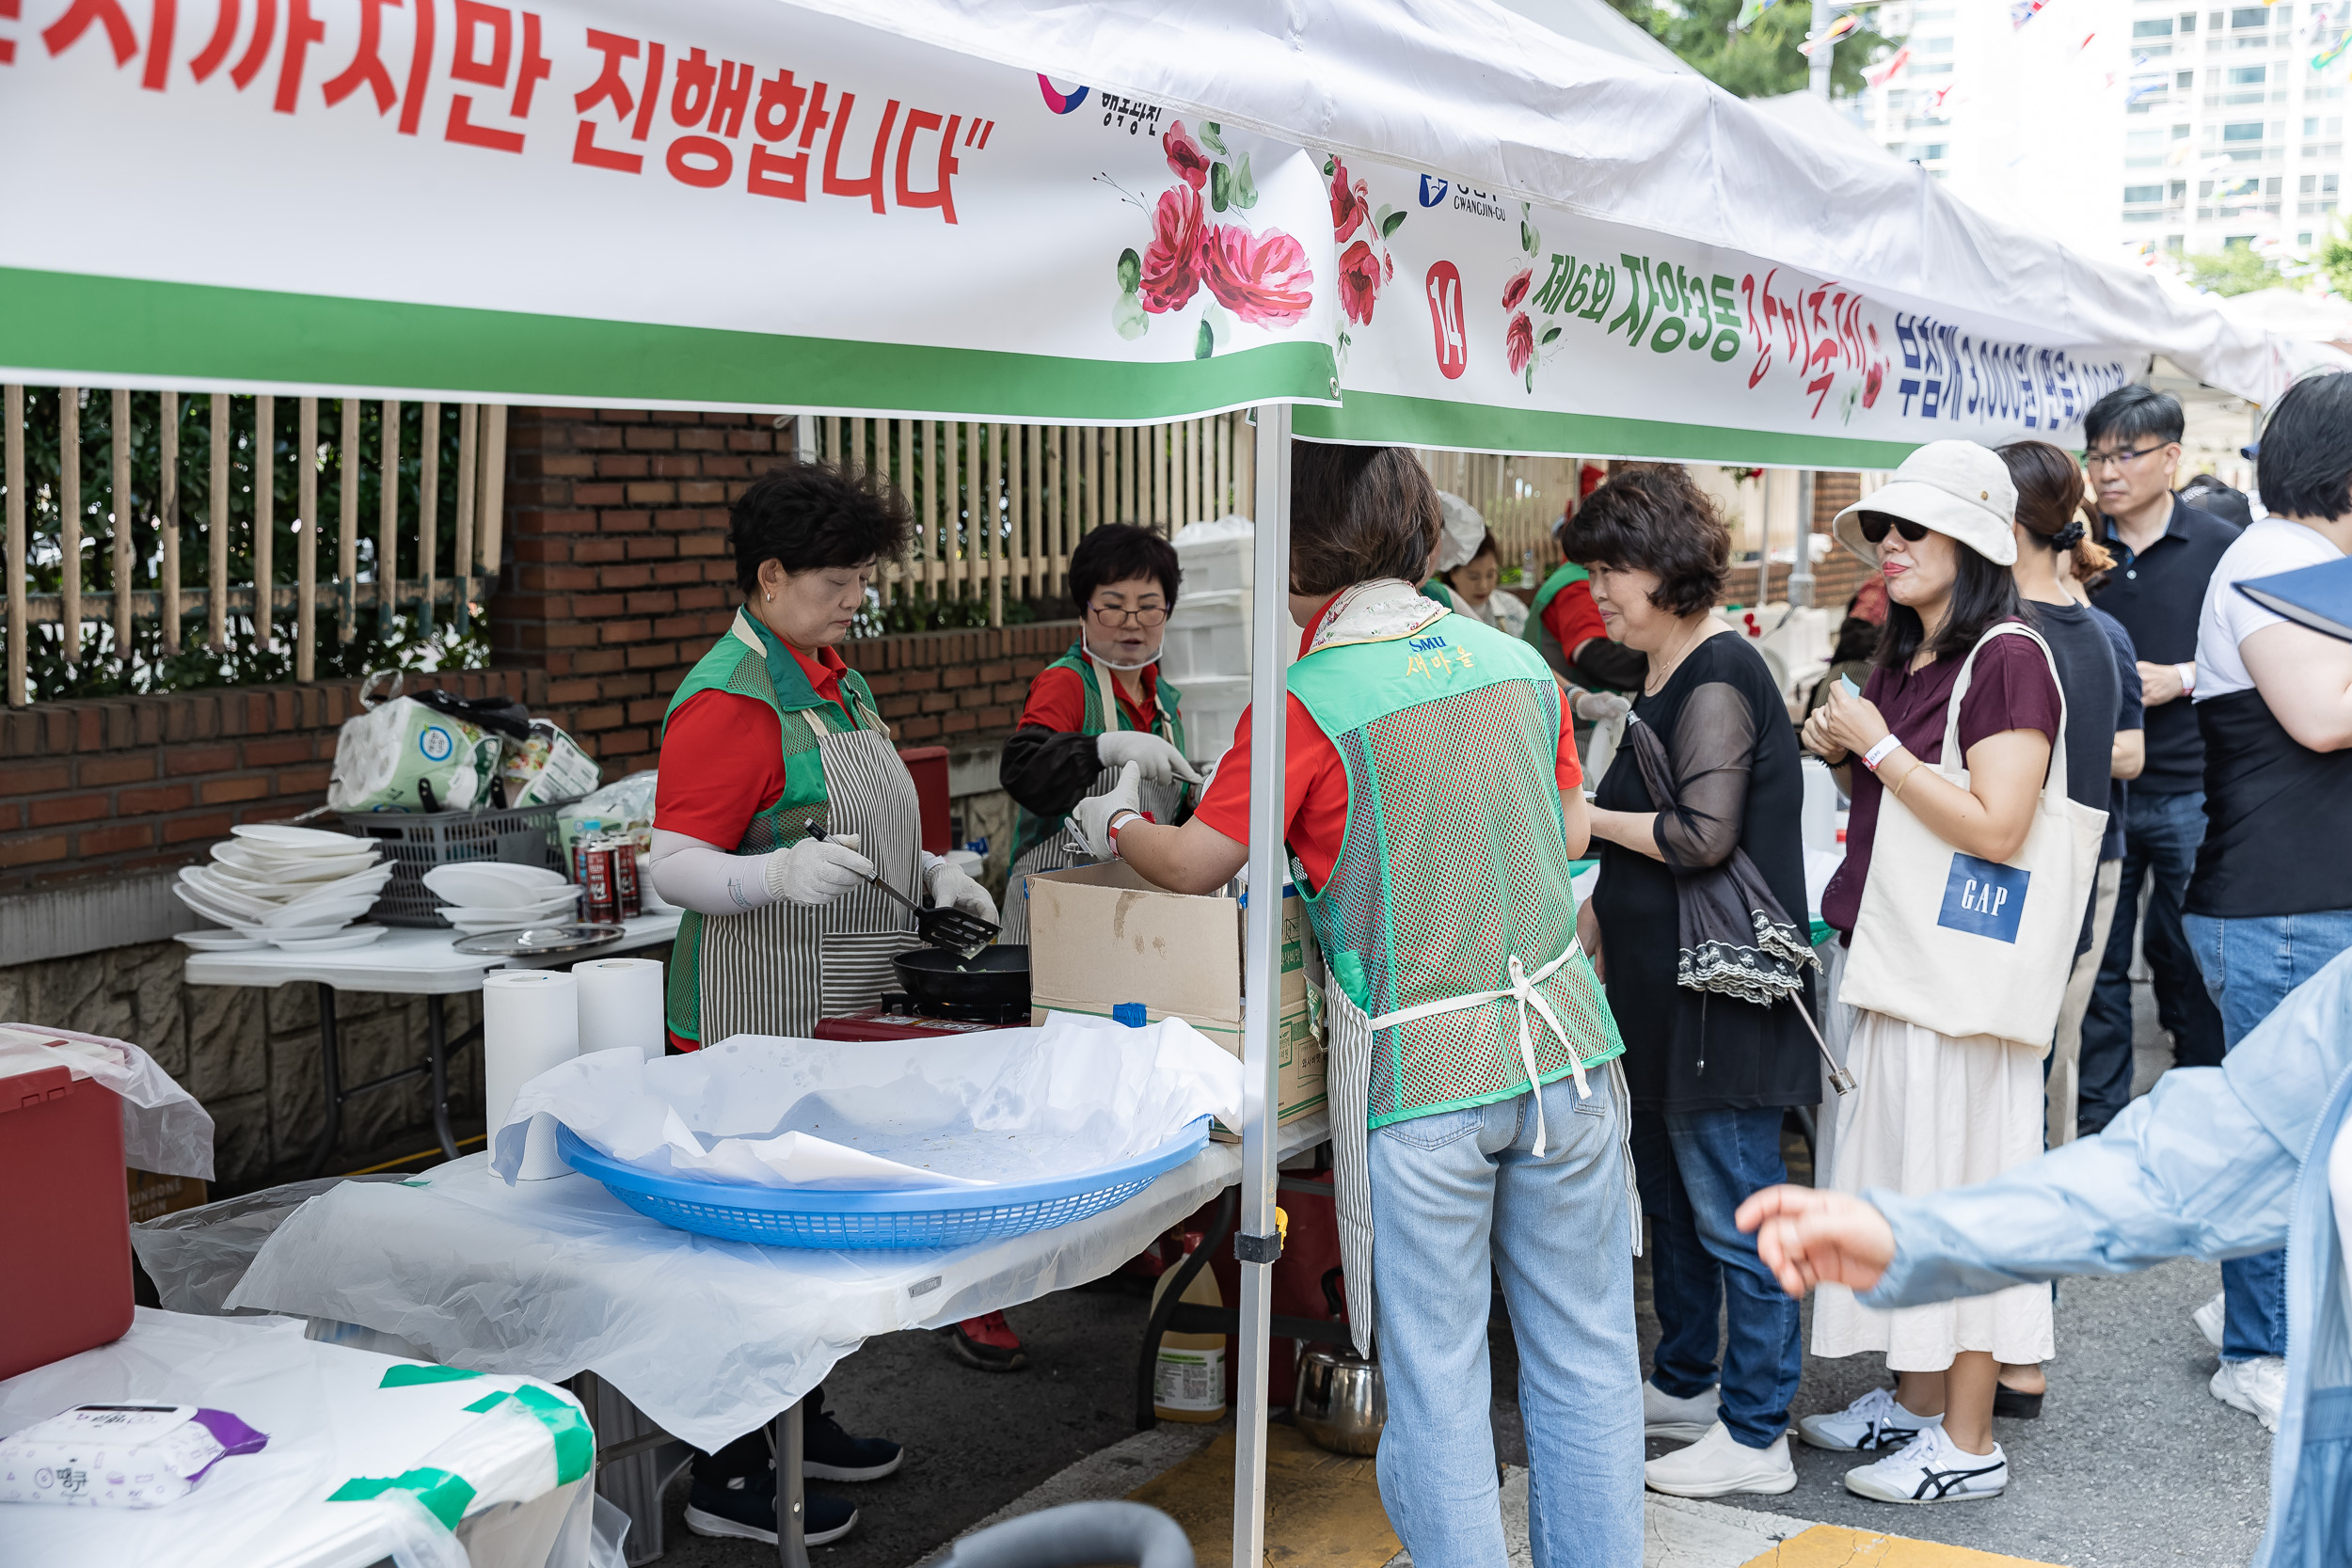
(2157,595)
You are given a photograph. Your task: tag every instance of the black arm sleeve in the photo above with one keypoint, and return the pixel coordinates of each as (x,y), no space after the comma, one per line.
(1714,745)
(1049,771)
(1609,666)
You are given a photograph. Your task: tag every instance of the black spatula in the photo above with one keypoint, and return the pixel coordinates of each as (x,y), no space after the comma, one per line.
(946,926)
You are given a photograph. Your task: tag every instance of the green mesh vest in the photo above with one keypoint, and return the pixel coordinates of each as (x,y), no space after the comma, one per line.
(1030,830)
(750,661)
(1455,862)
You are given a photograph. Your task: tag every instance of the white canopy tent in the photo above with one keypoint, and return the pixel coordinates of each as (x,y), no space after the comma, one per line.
(977,240)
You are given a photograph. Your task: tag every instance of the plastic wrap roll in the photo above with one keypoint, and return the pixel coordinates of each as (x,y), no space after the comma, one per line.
(530,1022)
(620,1005)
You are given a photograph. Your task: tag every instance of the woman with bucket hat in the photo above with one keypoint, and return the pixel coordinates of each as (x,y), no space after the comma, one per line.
(1966,873)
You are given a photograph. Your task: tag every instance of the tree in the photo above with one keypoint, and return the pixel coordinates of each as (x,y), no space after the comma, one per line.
(2233,270)
(2335,259)
(1762,61)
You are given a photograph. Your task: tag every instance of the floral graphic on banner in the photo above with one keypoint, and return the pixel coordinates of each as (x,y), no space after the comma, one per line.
(1260,278)
(1362,233)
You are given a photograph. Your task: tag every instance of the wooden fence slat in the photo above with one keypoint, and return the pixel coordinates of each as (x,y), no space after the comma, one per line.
(934,558)
(387,522)
(468,459)
(125,532)
(69,503)
(347,529)
(306,540)
(428,509)
(1056,542)
(493,535)
(998,463)
(265,521)
(216,609)
(909,582)
(12,470)
(167,512)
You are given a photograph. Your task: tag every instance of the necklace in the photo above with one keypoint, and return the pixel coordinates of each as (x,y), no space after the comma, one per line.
(1661,675)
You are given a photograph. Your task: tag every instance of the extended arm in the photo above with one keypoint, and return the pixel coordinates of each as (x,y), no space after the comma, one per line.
(1048,771)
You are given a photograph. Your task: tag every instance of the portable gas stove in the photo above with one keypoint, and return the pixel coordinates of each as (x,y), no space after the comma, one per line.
(900,1018)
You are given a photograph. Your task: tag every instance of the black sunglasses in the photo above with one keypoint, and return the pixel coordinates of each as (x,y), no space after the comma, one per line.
(1875,524)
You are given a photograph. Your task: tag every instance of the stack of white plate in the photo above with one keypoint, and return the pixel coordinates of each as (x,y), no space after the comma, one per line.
(295,888)
(492,896)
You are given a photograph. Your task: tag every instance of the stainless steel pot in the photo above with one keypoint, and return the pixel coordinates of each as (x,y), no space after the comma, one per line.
(1340,1404)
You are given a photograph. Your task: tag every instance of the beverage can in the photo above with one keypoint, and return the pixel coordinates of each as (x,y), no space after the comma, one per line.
(624,893)
(600,898)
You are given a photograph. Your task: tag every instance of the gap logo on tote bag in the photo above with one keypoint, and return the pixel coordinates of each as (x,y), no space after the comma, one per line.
(1984,897)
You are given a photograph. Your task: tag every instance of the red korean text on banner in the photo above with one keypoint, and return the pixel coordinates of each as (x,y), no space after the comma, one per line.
(482,53)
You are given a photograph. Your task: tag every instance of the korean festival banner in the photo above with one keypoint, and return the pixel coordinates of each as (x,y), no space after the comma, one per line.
(722,204)
(1476,321)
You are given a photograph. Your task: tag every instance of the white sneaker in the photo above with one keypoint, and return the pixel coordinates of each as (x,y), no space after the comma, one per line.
(1874,1421)
(1720,1462)
(2208,1318)
(1931,1470)
(1686,1420)
(2258,1387)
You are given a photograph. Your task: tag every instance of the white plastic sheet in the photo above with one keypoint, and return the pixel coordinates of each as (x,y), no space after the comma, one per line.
(709,1338)
(1008,1105)
(328,1420)
(164,1129)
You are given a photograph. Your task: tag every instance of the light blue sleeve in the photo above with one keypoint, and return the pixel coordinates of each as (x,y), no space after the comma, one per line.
(2205,1166)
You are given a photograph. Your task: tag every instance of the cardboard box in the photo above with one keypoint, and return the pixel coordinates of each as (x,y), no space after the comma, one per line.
(1101,935)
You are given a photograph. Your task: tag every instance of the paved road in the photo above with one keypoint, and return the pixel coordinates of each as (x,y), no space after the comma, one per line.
(2132,1462)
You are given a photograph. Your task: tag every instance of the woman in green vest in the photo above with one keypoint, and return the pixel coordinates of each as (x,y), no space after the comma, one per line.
(772,735)
(1432,805)
(1100,706)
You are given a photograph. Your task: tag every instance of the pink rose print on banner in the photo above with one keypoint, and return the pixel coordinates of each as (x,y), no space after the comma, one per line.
(1263,278)
(1347,205)
(1360,282)
(1171,264)
(1518,342)
(1184,156)
(1516,288)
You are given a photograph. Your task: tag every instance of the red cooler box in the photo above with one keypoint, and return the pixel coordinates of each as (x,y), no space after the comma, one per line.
(68,1245)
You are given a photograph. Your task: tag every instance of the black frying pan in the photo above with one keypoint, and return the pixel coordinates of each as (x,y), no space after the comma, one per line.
(996,976)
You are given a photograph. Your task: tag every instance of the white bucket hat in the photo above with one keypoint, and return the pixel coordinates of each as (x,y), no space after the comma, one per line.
(1459,539)
(1957,488)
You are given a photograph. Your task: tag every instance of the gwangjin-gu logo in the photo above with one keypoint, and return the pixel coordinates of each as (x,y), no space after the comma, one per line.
(1432,190)
(1059,99)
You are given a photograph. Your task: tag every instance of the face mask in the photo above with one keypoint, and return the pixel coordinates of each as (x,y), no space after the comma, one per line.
(1096,655)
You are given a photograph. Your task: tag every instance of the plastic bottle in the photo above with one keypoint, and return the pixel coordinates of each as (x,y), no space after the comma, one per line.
(1189,1385)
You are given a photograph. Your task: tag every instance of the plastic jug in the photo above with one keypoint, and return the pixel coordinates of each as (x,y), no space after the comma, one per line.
(1189,1384)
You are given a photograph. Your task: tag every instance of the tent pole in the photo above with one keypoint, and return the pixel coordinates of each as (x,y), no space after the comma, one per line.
(1256,1241)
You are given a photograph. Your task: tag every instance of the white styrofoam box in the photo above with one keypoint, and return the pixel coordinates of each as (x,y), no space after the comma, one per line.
(1208,634)
(1215,557)
(1213,706)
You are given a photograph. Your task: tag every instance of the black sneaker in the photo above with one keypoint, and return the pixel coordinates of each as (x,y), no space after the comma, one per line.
(829,1453)
(744,1509)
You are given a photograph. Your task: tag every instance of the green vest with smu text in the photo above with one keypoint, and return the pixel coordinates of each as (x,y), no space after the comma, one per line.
(1454,861)
(1030,830)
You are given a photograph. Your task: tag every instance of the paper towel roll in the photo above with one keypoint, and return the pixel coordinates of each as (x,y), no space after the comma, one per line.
(621,1004)
(530,1022)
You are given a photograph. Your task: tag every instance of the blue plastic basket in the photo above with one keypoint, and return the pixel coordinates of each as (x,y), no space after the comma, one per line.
(838,1219)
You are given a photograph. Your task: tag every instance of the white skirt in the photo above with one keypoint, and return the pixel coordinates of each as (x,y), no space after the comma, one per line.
(1931,1111)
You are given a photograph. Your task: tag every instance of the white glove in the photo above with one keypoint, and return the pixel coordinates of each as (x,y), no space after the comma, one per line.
(1160,761)
(1598,707)
(1093,814)
(818,871)
(952,889)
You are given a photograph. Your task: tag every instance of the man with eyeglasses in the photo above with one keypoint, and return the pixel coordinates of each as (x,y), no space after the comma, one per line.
(2164,552)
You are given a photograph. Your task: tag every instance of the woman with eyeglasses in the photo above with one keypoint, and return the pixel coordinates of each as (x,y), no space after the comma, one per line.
(1933,1110)
(1098,707)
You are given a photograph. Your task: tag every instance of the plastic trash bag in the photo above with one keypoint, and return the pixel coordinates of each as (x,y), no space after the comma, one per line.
(164,1129)
(1008,1105)
(196,1257)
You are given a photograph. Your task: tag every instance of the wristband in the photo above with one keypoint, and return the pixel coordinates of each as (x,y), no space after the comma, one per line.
(1886,747)
(1119,820)
(2188,677)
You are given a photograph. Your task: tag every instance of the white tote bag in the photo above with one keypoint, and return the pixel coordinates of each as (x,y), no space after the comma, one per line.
(1962,945)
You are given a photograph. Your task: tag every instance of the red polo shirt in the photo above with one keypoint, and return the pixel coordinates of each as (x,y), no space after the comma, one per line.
(1057,699)
(738,751)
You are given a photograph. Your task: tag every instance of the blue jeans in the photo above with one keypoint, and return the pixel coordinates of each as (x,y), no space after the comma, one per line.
(2161,834)
(1696,1169)
(2250,965)
(1459,1194)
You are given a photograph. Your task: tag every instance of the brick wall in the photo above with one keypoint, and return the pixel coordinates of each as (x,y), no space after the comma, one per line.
(128,785)
(951,687)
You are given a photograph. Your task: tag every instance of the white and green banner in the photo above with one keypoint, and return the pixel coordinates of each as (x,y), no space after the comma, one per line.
(1472,321)
(727,203)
